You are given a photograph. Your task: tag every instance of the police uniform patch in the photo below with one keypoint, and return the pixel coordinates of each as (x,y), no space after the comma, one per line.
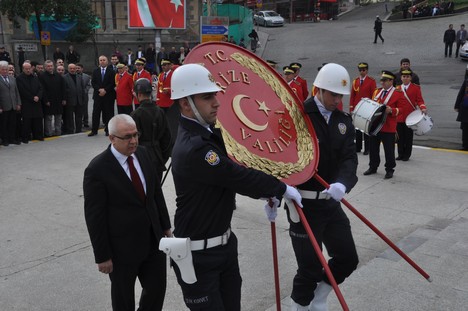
(342,128)
(212,158)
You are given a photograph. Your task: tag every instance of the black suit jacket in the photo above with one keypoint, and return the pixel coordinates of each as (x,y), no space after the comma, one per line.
(108,83)
(120,225)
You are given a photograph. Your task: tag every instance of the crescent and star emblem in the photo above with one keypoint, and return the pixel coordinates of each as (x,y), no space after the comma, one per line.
(241,115)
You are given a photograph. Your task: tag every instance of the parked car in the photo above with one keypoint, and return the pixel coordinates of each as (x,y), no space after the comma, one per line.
(464,51)
(268,18)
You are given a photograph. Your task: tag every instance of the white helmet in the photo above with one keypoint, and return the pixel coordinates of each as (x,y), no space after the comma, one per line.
(333,78)
(192,79)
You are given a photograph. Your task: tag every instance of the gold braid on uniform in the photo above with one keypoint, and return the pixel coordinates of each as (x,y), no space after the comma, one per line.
(305,148)
(356,88)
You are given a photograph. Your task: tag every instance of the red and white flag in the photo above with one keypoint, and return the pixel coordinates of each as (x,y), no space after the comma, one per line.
(156,14)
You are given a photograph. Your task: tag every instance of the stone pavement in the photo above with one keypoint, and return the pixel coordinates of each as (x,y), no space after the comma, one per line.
(46,261)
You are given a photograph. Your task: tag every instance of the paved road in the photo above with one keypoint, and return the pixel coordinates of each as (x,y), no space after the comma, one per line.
(46,261)
(348,41)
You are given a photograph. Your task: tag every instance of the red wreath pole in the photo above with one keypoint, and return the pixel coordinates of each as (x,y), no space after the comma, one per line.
(275,266)
(378,232)
(324,263)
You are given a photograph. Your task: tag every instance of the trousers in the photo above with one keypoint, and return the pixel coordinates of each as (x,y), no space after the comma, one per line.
(330,226)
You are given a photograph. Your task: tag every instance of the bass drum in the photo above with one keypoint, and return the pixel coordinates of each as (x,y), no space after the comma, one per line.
(419,122)
(369,116)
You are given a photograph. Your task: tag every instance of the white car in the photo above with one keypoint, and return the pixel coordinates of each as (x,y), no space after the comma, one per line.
(268,18)
(464,51)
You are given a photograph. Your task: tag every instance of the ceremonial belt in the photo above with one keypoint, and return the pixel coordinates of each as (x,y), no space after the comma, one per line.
(313,195)
(211,242)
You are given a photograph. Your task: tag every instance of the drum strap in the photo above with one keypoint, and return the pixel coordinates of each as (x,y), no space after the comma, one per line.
(387,98)
(406,95)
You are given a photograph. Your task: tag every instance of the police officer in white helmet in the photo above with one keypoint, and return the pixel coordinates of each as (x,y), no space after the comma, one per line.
(330,225)
(206,182)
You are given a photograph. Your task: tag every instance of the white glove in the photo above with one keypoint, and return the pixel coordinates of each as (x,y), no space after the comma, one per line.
(272,211)
(336,191)
(291,193)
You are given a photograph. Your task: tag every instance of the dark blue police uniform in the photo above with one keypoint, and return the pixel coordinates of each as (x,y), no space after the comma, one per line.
(330,225)
(206,182)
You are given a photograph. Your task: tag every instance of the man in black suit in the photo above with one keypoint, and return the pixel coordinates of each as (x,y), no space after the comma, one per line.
(126,216)
(103,82)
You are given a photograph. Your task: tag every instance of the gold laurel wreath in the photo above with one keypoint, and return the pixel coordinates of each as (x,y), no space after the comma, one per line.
(305,148)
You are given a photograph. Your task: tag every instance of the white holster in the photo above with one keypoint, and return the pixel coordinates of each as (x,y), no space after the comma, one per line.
(179,251)
(293,215)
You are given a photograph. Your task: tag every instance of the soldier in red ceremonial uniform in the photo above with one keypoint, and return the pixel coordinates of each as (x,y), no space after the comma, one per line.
(164,86)
(288,74)
(139,73)
(413,94)
(303,82)
(363,87)
(123,90)
(396,103)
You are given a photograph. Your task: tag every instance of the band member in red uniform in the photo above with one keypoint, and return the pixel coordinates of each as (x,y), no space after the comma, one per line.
(164,85)
(302,81)
(123,90)
(413,94)
(288,74)
(396,103)
(363,87)
(139,73)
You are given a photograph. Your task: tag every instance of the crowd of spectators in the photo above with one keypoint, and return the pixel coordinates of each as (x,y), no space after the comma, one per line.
(51,98)
(417,9)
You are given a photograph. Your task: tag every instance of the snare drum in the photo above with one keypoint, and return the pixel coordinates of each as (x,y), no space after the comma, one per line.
(369,116)
(419,122)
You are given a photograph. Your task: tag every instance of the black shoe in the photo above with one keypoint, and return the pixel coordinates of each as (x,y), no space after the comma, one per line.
(405,159)
(6,144)
(366,152)
(16,142)
(92,134)
(370,172)
(399,158)
(388,175)
(25,141)
(358,151)
(107,133)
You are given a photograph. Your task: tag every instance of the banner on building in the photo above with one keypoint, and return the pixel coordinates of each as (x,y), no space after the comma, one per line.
(156,14)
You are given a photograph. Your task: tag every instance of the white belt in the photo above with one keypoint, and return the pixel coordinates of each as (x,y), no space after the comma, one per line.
(211,242)
(313,195)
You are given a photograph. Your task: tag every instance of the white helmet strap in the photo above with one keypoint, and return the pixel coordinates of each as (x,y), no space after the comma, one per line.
(195,111)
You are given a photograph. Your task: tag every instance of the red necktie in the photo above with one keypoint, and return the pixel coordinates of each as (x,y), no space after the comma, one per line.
(136,179)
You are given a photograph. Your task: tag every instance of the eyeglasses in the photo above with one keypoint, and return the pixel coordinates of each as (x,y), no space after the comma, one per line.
(129,137)
(362,69)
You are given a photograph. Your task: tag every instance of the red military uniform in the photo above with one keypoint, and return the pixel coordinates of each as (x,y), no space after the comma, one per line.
(124,90)
(164,90)
(138,75)
(297,68)
(297,89)
(362,87)
(405,134)
(359,91)
(413,91)
(396,104)
(394,99)
(303,83)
